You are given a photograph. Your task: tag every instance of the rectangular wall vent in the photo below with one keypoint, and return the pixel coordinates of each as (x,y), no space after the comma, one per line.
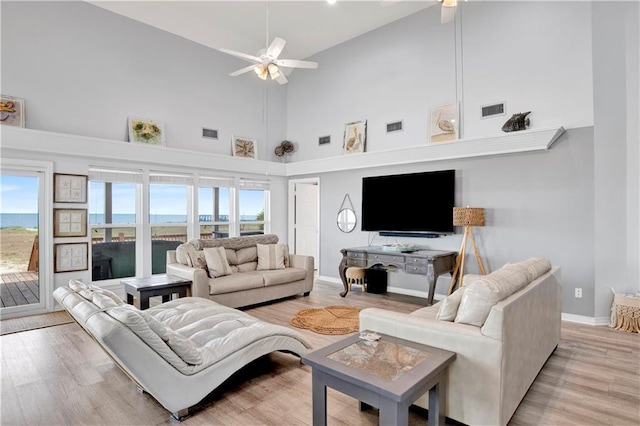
(209,133)
(322,140)
(396,126)
(493,110)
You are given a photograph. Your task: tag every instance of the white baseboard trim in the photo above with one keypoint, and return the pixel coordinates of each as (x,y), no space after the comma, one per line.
(581,319)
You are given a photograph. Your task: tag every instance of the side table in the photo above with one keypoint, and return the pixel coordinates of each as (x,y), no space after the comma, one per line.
(389,374)
(158,285)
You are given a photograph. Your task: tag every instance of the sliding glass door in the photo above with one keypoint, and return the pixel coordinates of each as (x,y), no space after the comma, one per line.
(20,228)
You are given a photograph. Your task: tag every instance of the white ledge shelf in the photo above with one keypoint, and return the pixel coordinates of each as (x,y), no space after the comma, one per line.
(507,143)
(44,142)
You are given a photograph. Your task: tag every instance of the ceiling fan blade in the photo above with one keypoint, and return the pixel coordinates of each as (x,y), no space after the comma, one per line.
(447,14)
(294,63)
(276,47)
(242,70)
(281,79)
(241,55)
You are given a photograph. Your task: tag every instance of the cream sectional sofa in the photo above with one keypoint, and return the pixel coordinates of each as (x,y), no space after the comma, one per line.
(501,353)
(252,276)
(178,351)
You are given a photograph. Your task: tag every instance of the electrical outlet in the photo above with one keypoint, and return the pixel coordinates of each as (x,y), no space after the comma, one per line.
(578,293)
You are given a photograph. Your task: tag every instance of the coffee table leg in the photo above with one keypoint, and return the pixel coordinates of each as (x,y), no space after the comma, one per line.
(392,413)
(144,301)
(436,408)
(130,298)
(319,392)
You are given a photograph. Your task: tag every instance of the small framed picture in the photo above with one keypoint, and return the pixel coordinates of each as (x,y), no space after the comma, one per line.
(244,147)
(444,123)
(355,137)
(69,222)
(11,111)
(69,188)
(71,257)
(147,132)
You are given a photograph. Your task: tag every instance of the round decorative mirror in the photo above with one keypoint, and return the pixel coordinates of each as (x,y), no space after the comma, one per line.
(346,220)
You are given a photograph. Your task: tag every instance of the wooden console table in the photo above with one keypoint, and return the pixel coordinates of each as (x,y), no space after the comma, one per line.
(430,263)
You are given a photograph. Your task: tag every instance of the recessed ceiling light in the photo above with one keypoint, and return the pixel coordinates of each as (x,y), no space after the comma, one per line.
(331,1)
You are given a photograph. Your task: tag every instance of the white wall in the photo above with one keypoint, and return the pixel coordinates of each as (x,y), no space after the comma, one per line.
(83,70)
(535,56)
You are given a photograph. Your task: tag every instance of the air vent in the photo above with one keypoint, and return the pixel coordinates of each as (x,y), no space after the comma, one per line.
(322,140)
(209,133)
(396,126)
(493,110)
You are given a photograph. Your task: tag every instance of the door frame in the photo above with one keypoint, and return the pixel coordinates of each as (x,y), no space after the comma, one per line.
(291,213)
(45,226)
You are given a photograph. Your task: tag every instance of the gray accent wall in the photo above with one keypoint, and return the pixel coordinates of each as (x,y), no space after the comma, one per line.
(537,204)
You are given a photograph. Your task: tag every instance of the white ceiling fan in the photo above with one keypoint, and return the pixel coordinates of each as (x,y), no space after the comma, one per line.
(266,62)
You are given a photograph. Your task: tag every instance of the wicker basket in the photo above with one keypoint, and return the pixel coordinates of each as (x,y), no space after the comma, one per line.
(625,313)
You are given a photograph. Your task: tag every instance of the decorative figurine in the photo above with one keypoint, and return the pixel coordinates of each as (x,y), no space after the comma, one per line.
(517,122)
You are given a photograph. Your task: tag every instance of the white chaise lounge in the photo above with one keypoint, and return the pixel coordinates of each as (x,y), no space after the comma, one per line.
(181,350)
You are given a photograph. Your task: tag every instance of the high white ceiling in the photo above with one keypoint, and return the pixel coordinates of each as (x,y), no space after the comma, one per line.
(308,26)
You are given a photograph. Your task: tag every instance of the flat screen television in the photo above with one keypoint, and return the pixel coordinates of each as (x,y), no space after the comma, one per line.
(414,203)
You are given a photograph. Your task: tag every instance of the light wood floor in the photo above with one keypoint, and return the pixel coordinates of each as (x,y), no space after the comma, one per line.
(59,376)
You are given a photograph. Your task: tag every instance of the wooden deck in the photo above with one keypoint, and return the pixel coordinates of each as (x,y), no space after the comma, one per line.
(19,288)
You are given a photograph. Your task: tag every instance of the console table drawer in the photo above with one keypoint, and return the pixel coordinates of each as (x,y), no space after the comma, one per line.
(416,268)
(356,255)
(362,263)
(385,258)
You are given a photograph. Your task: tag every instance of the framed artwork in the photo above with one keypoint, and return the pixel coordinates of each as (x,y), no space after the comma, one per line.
(444,123)
(69,222)
(11,111)
(144,131)
(355,137)
(71,257)
(244,147)
(69,188)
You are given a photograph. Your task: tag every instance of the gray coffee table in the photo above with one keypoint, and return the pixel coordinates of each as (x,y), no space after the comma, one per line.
(389,374)
(158,285)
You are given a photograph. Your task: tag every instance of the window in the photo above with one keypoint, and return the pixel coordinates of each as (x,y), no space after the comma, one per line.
(214,207)
(168,215)
(252,202)
(113,223)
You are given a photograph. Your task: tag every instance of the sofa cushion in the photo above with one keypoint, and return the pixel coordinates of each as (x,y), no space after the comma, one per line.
(283,276)
(217,264)
(449,306)
(246,255)
(103,302)
(235,282)
(271,256)
(535,267)
(88,291)
(480,296)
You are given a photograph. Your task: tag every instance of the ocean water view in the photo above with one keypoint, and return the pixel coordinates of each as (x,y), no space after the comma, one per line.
(30,220)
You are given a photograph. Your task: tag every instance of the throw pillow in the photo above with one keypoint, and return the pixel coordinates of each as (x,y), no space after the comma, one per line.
(184,347)
(449,306)
(480,296)
(216,258)
(198,260)
(271,256)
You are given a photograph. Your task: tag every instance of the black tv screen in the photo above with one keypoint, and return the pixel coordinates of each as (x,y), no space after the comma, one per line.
(411,203)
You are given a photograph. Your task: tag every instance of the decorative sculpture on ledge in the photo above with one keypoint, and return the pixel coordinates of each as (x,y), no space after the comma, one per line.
(285,148)
(517,122)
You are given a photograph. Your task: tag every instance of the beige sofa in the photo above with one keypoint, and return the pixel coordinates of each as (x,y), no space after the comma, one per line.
(178,351)
(496,361)
(248,280)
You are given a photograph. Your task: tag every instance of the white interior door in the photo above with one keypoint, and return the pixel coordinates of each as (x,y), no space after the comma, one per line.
(304,227)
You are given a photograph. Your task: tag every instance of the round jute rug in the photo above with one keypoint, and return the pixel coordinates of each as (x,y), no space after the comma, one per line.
(339,319)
